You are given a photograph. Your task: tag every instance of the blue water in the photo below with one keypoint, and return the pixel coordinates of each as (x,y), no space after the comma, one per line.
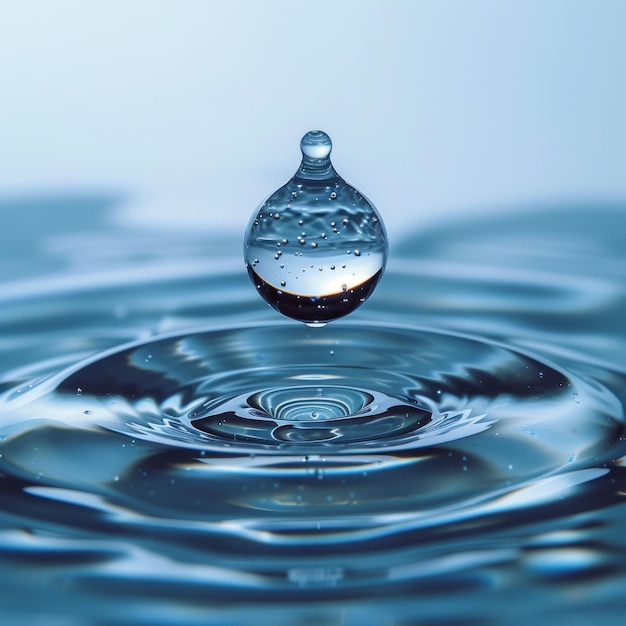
(174,452)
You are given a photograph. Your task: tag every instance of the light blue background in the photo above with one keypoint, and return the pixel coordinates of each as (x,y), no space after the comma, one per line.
(195,109)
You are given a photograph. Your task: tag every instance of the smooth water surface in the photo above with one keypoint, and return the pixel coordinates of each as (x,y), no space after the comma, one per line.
(172,452)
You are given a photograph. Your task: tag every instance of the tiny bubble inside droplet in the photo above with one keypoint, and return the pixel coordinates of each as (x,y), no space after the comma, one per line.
(333,195)
(282,283)
(344,221)
(300,222)
(313,245)
(357,253)
(276,216)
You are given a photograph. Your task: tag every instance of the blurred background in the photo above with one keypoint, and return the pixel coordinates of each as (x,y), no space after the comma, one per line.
(186,114)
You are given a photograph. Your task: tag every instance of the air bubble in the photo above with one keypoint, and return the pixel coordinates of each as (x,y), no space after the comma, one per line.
(320,296)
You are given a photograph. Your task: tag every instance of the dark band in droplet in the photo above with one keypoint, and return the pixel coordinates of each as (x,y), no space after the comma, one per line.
(310,309)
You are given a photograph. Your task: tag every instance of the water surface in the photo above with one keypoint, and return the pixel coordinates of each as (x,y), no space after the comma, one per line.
(173,452)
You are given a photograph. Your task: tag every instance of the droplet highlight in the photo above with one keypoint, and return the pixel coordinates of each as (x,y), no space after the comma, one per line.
(317,196)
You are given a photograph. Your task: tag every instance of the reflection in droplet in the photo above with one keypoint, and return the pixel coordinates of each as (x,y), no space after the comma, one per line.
(318,297)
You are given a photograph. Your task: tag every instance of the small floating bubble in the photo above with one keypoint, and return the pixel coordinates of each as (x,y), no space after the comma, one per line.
(320,296)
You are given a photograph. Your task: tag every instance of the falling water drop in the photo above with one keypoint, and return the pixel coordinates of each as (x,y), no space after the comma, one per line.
(318,196)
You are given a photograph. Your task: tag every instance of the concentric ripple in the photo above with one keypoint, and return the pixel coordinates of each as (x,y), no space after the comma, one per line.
(251,424)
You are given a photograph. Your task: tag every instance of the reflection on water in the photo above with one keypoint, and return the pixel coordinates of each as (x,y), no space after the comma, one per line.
(171,453)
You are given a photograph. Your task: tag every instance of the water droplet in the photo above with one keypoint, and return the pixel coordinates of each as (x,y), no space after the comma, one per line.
(320,296)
